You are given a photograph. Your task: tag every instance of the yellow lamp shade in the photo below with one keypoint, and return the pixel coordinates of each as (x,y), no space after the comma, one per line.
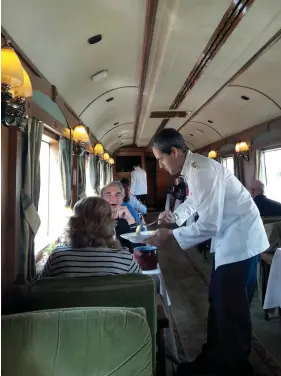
(67,133)
(243,146)
(11,68)
(106,157)
(98,149)
(237,147)
(24,91)
(80,134)
(91,149)
(111,161)
(212,154)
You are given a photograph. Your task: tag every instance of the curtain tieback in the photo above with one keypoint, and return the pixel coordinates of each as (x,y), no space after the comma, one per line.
(30,213)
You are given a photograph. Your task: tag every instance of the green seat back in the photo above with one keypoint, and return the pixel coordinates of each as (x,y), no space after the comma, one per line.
(77,342)
(135,290)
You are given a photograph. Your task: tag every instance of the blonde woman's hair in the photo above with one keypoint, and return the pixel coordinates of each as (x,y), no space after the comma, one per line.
(91,225)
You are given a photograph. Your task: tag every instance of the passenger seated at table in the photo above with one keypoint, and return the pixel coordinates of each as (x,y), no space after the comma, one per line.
(92,246)
(131,199)
(113,193)
(267,207)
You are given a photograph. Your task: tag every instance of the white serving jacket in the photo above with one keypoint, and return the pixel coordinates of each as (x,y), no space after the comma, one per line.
(227,213)
(138,182)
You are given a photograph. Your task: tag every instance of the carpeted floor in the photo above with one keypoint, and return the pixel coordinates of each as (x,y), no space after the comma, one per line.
(186,280)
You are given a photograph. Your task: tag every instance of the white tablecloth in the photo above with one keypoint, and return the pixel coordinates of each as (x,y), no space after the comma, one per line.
(273,291)
(169,332)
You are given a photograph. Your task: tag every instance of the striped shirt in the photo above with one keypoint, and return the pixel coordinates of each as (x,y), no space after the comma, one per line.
(88,262)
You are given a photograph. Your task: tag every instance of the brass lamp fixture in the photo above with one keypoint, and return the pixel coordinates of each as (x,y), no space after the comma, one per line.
(105,157)
(80,138)
(242,150)
(212,154)
(15,89)
(98,150)
(111,161)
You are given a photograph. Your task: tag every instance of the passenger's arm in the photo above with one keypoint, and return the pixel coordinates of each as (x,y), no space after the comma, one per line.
(210,192)
(138,205)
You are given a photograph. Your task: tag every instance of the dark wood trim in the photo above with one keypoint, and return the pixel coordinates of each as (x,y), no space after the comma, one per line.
(228,23)
(150,17)
(13,221)
(251,61)
(106,92)
(247,135)
(258,91)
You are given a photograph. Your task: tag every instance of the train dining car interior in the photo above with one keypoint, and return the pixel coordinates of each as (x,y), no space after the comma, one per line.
(141,187)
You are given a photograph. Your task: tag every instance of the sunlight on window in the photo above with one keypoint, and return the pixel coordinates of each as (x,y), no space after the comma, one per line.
(89,189)
(228,162)
(51,208)
(272,173)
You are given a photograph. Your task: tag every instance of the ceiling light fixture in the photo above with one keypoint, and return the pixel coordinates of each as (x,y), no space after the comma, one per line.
(95,39)
(109,99)
(244,97)
(99,76)
(210,121)
(116,123)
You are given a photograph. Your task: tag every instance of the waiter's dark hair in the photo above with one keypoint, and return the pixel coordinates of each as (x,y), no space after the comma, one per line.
(167,139)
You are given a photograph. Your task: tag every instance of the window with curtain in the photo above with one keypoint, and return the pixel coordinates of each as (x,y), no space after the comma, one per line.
(51,208)
(90,186)
(228,162)
(269,172)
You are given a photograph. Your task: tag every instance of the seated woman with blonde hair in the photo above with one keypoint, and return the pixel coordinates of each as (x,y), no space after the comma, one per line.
(92,246)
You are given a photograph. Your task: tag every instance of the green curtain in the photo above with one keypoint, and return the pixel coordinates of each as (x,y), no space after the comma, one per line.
(30,220)
(239,169)
(65,160)
(81,176)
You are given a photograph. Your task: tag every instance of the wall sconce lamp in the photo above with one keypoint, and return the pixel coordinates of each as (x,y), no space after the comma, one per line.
(242,150)
(111,161)
(15,89)
(105,157)
(80,138)
(212,154)
(98,150)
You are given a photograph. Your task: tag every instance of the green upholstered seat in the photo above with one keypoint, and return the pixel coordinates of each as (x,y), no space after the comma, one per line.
(77,342)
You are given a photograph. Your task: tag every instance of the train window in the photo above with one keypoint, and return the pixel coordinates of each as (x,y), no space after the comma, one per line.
(228,162)
(270,172)
(51,203)
(89,189)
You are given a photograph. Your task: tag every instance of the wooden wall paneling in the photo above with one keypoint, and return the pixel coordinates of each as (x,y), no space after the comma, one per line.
(11,162)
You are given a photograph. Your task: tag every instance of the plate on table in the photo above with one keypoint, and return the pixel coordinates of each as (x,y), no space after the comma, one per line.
(138,238)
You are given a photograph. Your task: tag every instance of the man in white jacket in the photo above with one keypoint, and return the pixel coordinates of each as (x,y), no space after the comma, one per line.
(139,183)
(229,216)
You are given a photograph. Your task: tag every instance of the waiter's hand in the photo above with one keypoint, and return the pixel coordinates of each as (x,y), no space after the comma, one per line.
(166,217)
(160,237)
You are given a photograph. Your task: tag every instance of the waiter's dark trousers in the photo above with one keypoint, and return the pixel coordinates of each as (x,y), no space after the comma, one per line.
(231,291)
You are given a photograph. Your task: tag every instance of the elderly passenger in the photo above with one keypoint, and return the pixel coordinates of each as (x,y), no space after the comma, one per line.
(114,193)
(92,246)
(267,207)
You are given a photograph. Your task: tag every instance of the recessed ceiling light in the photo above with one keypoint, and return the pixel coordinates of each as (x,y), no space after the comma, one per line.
(117,122)
(245,98)
(110,99)
(190,134)
(95,39)
(210,121)
(99,76)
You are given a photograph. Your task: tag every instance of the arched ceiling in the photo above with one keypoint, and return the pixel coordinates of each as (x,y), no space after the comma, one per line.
(200,56)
